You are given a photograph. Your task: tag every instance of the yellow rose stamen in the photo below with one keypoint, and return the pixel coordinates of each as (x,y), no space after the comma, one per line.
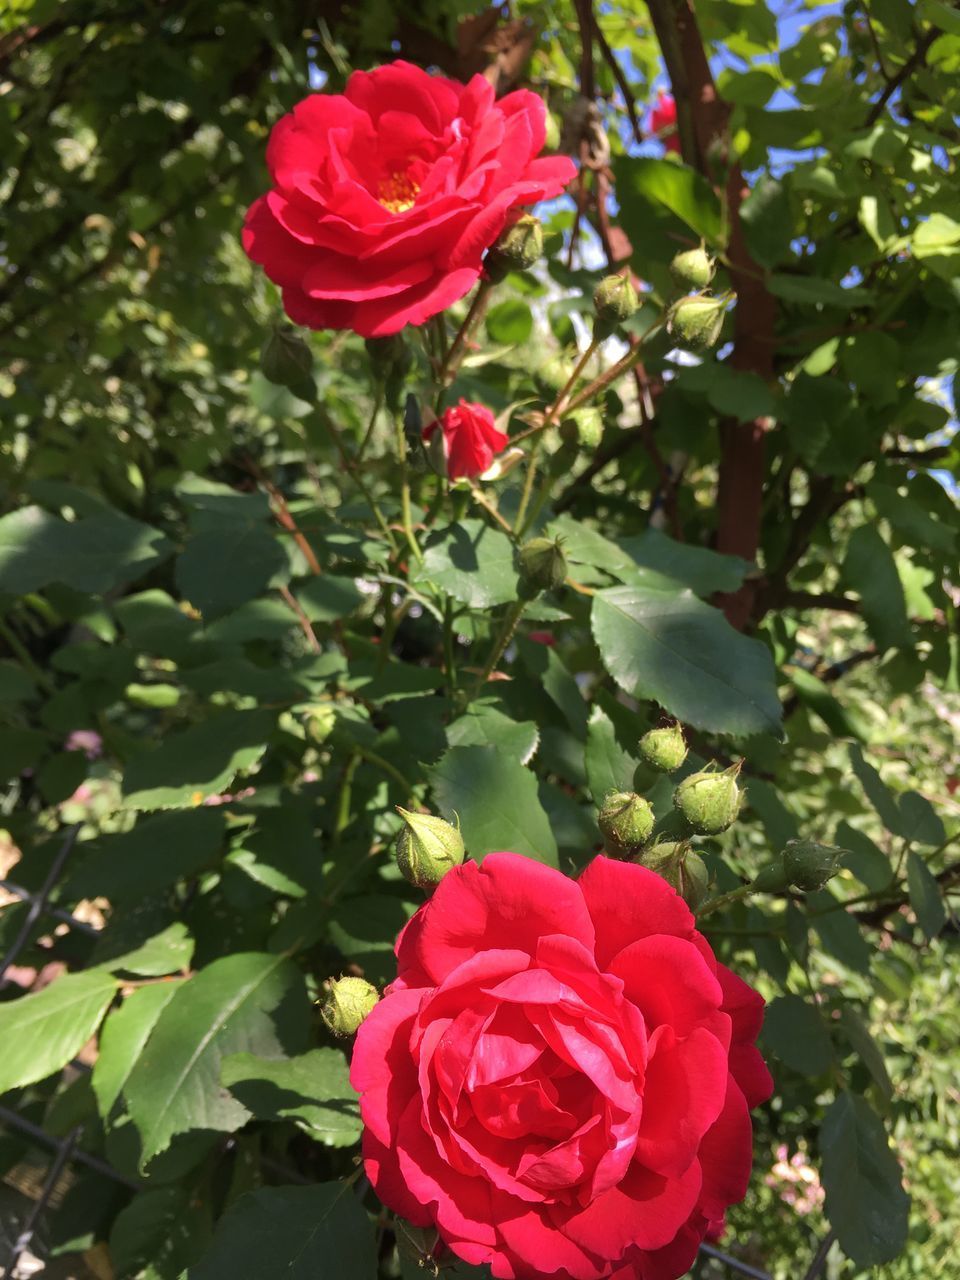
(397,193)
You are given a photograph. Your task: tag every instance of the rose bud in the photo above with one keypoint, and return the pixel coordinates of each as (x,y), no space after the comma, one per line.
(518,248)
(692,269)
(427,848)
(288,361)
(348,1001)
(809,865)
(462,443)
(614,300)
(709,801)
(772,878)
(542,566)
(664,749)
(583,425)
(625,821)
(696,321)
(684,870)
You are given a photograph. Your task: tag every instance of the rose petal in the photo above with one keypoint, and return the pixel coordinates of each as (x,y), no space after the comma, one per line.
(645,1210)
(683,1095)
(627,902)
(668,981)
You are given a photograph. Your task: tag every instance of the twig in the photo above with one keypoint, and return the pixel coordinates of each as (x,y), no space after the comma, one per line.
(915,60)
(306,626)
(40,901)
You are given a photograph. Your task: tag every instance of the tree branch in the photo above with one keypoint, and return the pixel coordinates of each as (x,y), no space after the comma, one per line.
(915,60)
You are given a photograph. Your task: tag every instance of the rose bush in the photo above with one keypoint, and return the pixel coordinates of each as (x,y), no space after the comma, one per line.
(385,197)
(470,439)
(560,1077)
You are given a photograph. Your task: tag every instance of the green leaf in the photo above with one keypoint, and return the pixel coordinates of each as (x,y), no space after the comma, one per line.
(870,570)
(702,570)
(919,820)
(329,597)
(883,801)
(549,672)
(159,1233)
(292,1233)
(866,1203)
(676,188)
(863,1044)
(510,322)
(197,762)
(222,568)
(243,1003)
(312,1090)
(168,952)
(40,1033)
(496,801)
(671,647)
(807,289)
(925,896)
(91,554)
(732,392)
(471,562)
(839,933)
(868,863)
(125,1032)
(484,724)
(794,1030)
(813,693)
(609,766)
(765,214)
(363,931)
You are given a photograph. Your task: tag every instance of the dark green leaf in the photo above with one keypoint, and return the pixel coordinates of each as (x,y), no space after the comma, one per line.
(312,1090)
(925,896)
(91,554)
(870,570)
(222,568)
(794,1030)
(609,766)
(673,187)
(471,562)
(862,1042)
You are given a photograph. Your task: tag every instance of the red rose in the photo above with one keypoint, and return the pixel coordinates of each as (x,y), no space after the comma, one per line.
(385,197)
(560,1077)
(470,439)
(663,122)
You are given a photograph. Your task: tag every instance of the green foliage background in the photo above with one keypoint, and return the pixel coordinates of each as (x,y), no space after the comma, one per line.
(195,566)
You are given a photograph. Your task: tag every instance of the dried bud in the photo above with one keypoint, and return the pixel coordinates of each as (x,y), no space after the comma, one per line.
(692,269)
(519,247)
(542,566)
(583,425)
(664,749)
(808,865)
(684,870)
(709,801)
(696,321)
(347,1003)
(427,848)
(288,361)
(614,300)
(626,821)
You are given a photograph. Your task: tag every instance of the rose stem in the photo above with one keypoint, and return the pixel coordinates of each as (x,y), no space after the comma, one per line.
(458,347)
(481,499)
(532,463)
(405,491)
(448,650)
(726,900)
(514,614)
(377,405)
(361,484)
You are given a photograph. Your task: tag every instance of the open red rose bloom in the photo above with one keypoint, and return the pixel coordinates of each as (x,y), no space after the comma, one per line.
(560,1078)
(385,197)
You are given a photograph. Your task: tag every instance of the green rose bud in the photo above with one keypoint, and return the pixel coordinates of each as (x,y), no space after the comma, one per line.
(625,821)
(709,801)
(772,878)
(348,1001)
(583,425)
(692,269)
(664,749)
(288,361)
(519,247)
(696,321)
(542,566)
(614,300)
(684,870)
(387,353)
(427,848)
(808,865)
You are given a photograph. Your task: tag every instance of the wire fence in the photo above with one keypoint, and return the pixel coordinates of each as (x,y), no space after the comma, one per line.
(66,1150)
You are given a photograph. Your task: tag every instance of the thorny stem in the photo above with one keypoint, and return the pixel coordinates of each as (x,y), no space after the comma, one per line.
(449,657)
(458,347)
(354,472)
(481,499)
(532,463)
(368,434)
(514,614)
(405,492)
(726,900)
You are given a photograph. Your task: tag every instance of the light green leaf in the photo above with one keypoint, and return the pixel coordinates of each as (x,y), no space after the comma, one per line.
(866,1203)
(198,762)
(169,952)
(671,647)
(702,570)
(40,1033)
(510,322)
(124,1034)
(676,188)
(246,1002)
(471,562)
(312,1090)
(496,801)
(292,1233)
(609,766)
(484,724)
(329,597)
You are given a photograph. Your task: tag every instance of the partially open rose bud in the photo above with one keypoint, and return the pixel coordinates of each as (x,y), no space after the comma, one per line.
(709,801)
(427,848)
(664,749)
(518,248)
(626,821)
(542,566)
(692,269)
(809,865)
(614,300)
(696,321)
(347,1002)
(684,870)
